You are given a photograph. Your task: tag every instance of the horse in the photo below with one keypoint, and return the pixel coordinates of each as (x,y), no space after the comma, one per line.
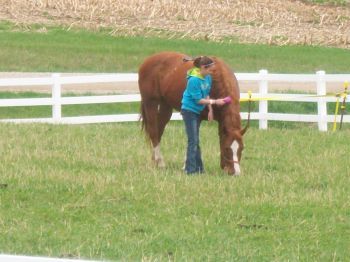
(162,81)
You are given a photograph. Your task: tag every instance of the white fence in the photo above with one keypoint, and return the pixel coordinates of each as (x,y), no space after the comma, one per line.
(263,78)
(15,258)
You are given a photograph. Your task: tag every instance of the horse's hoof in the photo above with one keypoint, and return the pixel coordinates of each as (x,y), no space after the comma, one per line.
(160,163)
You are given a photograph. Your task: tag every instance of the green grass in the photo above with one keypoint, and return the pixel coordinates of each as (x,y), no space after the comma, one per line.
(59,50)
(332,2)
(91,191)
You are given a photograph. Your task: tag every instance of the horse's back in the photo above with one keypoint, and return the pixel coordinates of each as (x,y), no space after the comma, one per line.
(156,66)
(163,76)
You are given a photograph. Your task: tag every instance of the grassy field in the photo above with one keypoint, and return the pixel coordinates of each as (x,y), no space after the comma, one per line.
(58,50)
(91,191)
(334,2)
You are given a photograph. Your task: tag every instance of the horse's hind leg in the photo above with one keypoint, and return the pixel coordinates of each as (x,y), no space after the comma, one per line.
(151,113)
(164,115)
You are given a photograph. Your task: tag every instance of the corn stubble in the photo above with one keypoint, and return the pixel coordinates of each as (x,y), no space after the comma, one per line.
(277,22)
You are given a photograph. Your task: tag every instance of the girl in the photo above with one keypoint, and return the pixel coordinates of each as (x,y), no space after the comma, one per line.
(194,100)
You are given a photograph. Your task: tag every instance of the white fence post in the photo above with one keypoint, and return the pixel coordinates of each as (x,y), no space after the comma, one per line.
(56,98)
(263,108)
(321,104)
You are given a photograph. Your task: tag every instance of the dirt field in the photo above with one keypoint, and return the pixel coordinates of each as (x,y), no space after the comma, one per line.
(278,22)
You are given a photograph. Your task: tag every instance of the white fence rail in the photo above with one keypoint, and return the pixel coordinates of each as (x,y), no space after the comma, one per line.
(263,78)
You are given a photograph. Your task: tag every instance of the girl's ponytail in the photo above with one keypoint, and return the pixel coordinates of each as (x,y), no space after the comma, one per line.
(202,61)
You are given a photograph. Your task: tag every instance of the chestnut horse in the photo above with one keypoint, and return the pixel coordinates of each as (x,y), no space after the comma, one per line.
(162,81)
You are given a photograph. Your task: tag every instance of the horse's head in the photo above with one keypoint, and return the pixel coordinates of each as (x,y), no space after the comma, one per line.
(228,117)
(231,142)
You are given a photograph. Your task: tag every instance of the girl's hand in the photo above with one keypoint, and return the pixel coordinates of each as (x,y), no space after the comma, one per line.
(220,102)
(210,115)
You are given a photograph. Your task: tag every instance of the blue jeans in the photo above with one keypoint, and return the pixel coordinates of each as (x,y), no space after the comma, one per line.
(194,162)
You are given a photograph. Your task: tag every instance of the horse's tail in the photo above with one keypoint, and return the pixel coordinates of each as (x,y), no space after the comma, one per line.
(143,118)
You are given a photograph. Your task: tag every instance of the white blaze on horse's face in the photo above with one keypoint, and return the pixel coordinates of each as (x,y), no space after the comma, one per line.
(235,147)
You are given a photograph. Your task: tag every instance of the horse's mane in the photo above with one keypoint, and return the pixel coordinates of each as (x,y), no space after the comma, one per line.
(224,80)
(225,84)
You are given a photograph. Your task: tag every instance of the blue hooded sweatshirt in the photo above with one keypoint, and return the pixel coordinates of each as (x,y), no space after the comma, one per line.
(198,87)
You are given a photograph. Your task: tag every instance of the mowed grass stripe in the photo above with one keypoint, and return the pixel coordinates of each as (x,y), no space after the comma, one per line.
(59,50)
(91,191)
